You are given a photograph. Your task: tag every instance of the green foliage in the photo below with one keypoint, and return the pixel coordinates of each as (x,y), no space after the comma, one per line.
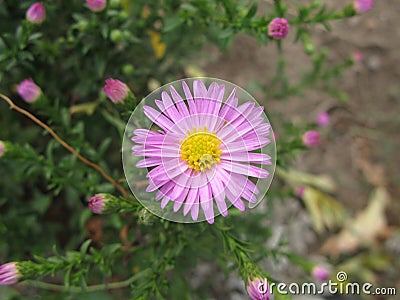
(44,187)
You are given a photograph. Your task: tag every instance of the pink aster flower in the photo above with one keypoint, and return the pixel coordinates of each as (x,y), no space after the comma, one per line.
(116,90)
(258,289)
(204,149)
(320,273)
(323,119)
(9,273)
(36,13)
(362,6)
(96,5)
(278,28)
(311,138)
(28,90)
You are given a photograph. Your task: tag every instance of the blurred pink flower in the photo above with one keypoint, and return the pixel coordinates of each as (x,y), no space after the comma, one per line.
(311,138)
(278,28)
(362,6)
(258,289)
(36,13)
(9,273)
(96,5)
(28,90)
(104,203)
(300,191)
(358,56)
(116,90)
(323,119)
(320,273)
(2,148)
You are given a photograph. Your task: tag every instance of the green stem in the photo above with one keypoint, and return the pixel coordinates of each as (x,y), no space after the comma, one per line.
(75,289)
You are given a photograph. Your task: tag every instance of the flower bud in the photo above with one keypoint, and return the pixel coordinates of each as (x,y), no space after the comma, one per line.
(362,6)
(96,5)
(28,90)
(300,191)
(320,273)
(104,203)
(116,90)
(311,138)
(323,119)
(2,148)
(36,13)
(258,289)
(9,273)
(278,28)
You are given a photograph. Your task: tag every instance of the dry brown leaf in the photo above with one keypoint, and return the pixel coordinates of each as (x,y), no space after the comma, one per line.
(325,211)
(364,229)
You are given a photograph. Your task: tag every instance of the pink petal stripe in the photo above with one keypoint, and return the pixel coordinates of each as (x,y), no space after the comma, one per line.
(250,157)
(229,104)
(170,108)
(191,198)
(149,162)
(244,169)
(217,188)
(235,200)
(164,202)
(189,98)
(207,203)
(194,211)
(158,118)
(163,191)
(180,104)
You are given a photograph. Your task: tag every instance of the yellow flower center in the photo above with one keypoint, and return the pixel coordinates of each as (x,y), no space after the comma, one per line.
(200,149)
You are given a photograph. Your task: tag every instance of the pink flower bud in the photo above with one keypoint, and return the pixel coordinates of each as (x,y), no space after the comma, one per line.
(258,289)
(358,56)
(36,13)
(28,90)
(362,6)
(116,90)
(104,203)
(300,191)
(323,119)
(311,138)
(2,148)
(320,273)
(278,28)
(9,273)
(96,5)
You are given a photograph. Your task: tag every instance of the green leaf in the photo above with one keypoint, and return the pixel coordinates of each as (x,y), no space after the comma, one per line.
(171,22)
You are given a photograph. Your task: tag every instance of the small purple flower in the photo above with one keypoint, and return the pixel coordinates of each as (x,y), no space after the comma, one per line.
(311,138)
(320,273)
(116,90)
(258,289)
(278,28)
(36,13)
(323,119)
(28,90)
(362,6)
(96,5)
(2,148)
(300,191)
(9,273)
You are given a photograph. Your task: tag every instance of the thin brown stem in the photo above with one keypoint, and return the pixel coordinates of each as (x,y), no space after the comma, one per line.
(123,191)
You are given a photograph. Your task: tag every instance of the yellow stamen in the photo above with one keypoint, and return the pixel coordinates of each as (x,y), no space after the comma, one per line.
(200,149)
